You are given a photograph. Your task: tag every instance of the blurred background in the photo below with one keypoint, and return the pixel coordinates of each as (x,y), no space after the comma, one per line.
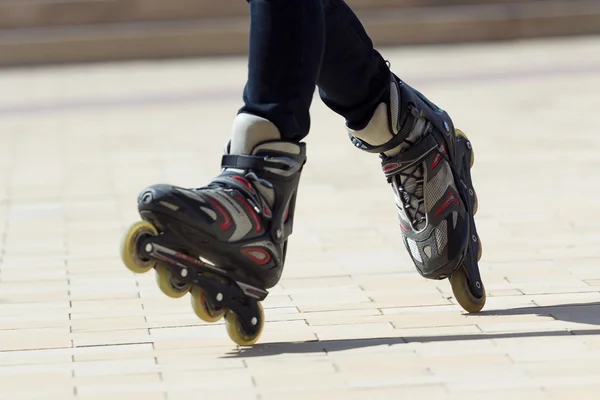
(55,31)
(100,98)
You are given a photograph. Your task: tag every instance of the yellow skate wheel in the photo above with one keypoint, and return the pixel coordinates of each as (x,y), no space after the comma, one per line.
(202,308)
(167,285)
(460,133)
(463,295)
(479,248)
(129,254)
(236,331)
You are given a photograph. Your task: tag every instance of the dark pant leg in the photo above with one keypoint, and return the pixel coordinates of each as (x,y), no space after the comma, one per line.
(286,48)
(353,77)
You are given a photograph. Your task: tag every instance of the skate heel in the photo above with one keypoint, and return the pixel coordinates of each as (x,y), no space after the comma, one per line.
(466,282)
(464,146)
(214,292)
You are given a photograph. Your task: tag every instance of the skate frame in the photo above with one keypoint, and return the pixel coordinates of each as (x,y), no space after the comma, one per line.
(239,297)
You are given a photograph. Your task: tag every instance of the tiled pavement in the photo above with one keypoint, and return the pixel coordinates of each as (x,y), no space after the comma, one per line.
(350,319)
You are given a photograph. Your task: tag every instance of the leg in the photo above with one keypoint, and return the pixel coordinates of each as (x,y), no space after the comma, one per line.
(426,161)
(286,47)
(227,241)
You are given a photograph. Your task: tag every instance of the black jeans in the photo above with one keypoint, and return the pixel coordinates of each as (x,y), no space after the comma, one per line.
(297,44)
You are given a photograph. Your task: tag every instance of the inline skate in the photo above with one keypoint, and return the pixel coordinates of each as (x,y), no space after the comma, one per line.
(427,162)
(226,242)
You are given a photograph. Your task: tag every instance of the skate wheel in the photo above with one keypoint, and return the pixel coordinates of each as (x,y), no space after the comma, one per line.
(168,285)
(461,134)
(236,330)
(202,307)
(479,248)
(463,295)
(129,253)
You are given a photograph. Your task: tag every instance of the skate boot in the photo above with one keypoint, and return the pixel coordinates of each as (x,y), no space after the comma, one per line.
(427,162)
(225,242)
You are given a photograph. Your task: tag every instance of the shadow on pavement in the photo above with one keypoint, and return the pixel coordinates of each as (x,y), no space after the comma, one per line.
(585,313)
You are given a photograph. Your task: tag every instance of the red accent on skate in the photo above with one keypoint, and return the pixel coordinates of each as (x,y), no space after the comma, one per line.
(243,181)
(255,253)
(257,224)
(390,166)
(287,214)
(449,200)
(405,229)
(256,292)
(438,157)
(226,224)
(267,211)
(180,256)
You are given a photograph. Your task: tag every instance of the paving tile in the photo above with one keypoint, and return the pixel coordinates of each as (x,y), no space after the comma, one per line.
(119,351)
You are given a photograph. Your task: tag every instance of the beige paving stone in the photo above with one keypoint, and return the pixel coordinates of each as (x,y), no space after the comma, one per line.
(114,380)
(390,309)
(309,283)
(21,392)
(217,346)
(432,349)
(413,392)
(503,292)
(437,333)
(542,326)
(142,395)
(354,331)
(499,394)
(26,357)
(109,385)
(109,313)
(400,362)
(99,305)
(108,324)
(567,298)
(586,391)
(116,352)
(195,361)
(19,321)
(47,385)
(301,382)
(390,380)
(118,366)
(104,338)
(189,391)
(30,339)
(173,320)
(353,306)
(203,379)
(283,335)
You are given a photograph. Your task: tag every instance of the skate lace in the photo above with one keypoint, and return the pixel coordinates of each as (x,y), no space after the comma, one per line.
(409,185)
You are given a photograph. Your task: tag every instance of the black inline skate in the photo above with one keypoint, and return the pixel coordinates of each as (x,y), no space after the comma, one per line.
(427,162)
(225,242)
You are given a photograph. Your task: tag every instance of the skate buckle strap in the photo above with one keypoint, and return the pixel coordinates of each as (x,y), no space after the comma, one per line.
(393,165)
(283,165)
